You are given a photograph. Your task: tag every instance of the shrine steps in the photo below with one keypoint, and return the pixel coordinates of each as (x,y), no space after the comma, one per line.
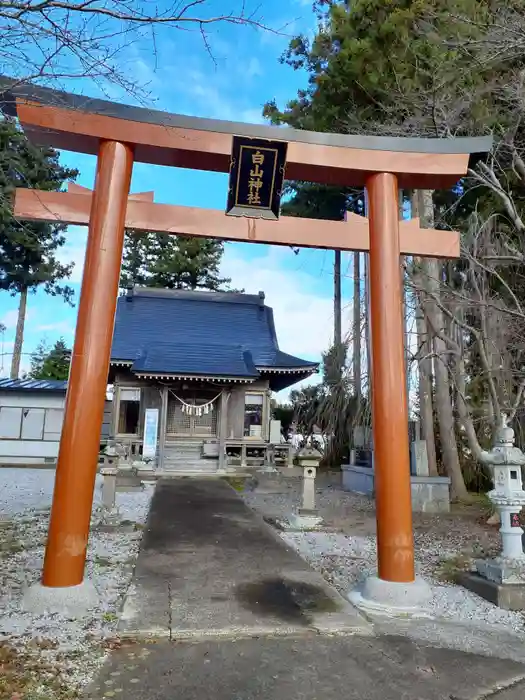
(186,456)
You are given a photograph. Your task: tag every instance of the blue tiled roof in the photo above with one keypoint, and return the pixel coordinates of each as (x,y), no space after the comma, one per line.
(203,333)
(192,358)
(50,385)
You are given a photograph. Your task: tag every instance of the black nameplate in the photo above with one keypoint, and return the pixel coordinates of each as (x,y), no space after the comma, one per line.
(256,177)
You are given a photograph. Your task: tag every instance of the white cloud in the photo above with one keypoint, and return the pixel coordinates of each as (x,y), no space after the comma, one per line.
(303,318)
(74,251)
(211,102)
(253,69)
(205,94)
(10,318)
(252,116)
(60,327)
(6,354)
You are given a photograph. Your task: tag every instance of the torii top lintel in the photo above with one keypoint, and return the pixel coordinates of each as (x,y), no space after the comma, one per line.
(77,123)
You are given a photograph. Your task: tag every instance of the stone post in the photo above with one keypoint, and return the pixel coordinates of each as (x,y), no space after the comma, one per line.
(307,516)
(309,489)
(110,516)
(109,487)
(420,457)
(269,460)
(289,456)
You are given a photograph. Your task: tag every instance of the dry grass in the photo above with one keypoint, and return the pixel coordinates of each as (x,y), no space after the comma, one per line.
(24,675)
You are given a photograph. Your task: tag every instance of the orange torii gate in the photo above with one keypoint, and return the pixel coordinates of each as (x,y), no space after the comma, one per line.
(119,135)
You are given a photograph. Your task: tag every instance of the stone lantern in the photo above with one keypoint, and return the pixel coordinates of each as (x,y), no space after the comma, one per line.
(506,461)
(502,580)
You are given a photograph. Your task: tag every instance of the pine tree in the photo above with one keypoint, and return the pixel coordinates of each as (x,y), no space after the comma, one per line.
(28,250)
(172,262)
(423,84)
(51,363)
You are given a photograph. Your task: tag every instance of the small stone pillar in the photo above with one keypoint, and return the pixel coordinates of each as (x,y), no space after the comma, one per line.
(109,487)
(502,580)
(418,448)
(309,489)
(110,513)
(269,460)
(307,517)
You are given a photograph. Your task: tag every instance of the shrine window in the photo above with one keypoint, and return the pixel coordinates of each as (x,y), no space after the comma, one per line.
(253,415)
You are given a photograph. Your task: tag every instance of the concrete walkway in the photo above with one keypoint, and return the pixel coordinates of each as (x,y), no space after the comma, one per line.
(312,667)
(220,608)
(210,567)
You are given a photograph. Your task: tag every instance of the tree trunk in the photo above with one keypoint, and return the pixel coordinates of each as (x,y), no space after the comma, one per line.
(463,412)
(356,363)
(19,337)
(403,261)
(337,299)
(426,408)
(367,328)
(445,415)
(444,408)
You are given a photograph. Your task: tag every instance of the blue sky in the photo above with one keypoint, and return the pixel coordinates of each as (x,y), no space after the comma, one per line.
(182,78)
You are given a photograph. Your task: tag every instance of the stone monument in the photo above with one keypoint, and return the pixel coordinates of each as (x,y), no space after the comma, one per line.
(502,580)
(110,516)
(307,517)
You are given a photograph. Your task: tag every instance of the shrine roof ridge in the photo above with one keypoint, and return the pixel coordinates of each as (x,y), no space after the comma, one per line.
(11,90)
(204,295)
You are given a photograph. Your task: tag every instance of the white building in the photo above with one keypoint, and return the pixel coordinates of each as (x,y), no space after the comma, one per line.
(31,416)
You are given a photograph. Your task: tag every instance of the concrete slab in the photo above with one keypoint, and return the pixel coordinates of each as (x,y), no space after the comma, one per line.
(475,638)
(305,668)
(516,691)
(508,596)
(210,567)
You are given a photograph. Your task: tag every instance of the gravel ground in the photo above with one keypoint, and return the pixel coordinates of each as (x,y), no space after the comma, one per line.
(57,642)
(344,550)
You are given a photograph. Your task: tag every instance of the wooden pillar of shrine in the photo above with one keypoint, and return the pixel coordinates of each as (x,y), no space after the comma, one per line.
(395,542)
(79,446)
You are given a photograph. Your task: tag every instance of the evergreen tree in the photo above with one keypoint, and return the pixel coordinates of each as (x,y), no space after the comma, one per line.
(397,67)
(423,84)
(172,262)
(51,363)
(28,250)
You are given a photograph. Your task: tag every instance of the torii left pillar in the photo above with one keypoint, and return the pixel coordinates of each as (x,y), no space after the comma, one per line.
(63,586)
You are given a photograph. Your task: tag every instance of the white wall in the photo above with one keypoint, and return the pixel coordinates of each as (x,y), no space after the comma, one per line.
(26,398)
(30,426)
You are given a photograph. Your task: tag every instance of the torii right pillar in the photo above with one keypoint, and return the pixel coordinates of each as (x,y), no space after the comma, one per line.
(395,586)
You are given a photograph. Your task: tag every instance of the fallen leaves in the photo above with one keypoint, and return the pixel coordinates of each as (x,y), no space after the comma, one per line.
(24,674)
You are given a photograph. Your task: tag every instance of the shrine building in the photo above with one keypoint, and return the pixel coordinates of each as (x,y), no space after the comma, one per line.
(208,362)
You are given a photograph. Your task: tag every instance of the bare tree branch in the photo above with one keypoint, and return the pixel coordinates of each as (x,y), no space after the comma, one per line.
(53,40)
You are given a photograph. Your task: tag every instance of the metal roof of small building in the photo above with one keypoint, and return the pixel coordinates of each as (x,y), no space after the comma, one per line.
(205,334)
(35,385)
